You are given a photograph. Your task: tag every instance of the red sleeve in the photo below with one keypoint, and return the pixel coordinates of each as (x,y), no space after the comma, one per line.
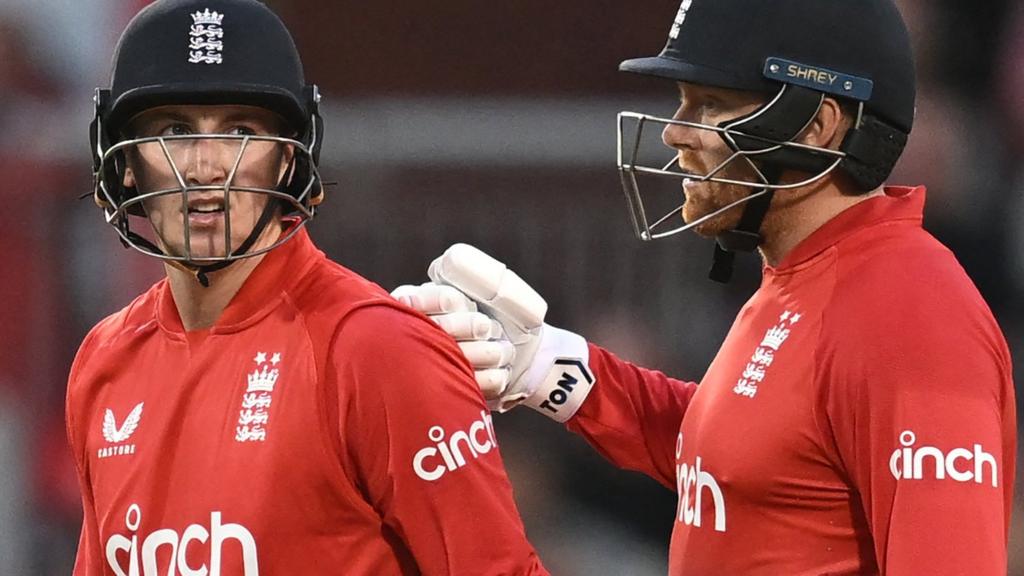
(420,440)
(632,416)
(89,559)
(925,426)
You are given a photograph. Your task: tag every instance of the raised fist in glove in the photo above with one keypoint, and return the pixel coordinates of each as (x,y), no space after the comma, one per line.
(498,321)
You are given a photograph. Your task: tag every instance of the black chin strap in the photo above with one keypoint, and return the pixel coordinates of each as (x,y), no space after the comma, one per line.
(746,237)
(261,225)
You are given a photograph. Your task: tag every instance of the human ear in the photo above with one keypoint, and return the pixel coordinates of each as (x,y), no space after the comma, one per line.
(287,164)
(828,127)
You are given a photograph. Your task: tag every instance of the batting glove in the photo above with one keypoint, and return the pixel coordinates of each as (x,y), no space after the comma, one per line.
(491,311)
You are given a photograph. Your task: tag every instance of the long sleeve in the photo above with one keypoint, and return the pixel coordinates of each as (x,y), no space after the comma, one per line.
(421,445)
(632,416)
(926,429)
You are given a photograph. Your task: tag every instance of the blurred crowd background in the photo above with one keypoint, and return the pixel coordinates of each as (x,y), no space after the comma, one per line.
(486,122)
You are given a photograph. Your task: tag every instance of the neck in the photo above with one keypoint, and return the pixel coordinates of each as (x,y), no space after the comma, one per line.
(199,307)
(796,215)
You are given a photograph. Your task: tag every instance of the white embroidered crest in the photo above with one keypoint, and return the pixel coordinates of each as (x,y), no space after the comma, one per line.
(755,371)
(253,417)
(680,17)
(115,435)
(206,38)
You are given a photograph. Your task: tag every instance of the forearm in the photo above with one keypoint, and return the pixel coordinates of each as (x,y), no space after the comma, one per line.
(632,416)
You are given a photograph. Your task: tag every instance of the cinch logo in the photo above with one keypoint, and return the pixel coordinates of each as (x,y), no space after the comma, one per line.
(169,545)
(691,483)
(908,463)
(479,440)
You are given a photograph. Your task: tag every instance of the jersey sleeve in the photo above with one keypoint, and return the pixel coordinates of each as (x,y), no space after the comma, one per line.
(632,415)
(924,425)
(419,438)
(88,560)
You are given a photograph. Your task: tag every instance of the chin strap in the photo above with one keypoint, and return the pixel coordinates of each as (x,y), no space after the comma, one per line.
(202,272)
(746,237)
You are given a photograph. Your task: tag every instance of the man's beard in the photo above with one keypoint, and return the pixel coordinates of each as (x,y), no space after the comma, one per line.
(703,198)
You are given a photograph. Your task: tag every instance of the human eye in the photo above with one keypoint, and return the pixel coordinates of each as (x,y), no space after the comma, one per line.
(699,106)
(243,130)
(712,109)
(711,105)
(175,129)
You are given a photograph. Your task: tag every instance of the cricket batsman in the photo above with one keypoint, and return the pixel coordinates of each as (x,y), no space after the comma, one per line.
(859,417)
(261,410)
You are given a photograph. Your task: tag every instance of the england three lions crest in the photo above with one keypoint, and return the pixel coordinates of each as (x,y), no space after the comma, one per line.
(254,414)
(206,38)
(757,369)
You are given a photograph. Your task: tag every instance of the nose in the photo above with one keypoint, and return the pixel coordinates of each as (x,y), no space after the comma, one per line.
(679,137)
(207,162)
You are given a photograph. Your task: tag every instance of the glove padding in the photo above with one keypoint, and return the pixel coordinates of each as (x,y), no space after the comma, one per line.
(470,291)
(502,295)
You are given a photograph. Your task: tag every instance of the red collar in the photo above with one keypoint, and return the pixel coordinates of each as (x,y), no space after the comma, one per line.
(280,270)
(899,203)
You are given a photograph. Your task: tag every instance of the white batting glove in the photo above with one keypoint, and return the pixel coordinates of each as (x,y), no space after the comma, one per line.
(549,370)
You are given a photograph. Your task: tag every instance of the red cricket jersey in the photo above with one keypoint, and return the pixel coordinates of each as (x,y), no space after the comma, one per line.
(858,419)
(318,428)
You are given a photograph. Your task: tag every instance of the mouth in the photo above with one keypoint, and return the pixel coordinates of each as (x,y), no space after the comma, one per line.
(206,212)
(206,207)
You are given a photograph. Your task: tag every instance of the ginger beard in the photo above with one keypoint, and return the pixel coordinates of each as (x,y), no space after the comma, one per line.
(208,162)
(703,198)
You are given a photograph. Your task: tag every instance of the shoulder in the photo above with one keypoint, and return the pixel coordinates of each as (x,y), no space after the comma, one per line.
(905,278)
(111,332)
(391,360)
(105,345)
(332,299)
(903,310)
(332,291)
(387,357)
(352,320)
(392,331)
